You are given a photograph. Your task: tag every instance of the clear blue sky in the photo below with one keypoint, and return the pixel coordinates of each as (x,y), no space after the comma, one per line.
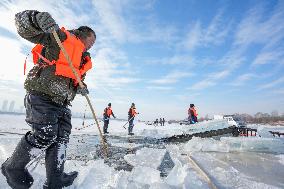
(223,56)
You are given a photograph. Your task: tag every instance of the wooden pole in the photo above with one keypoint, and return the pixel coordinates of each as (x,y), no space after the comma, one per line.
(82,86)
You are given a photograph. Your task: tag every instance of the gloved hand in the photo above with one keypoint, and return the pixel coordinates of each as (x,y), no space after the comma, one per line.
(46,22)
(86,57)
(114,117)
(86,54)
(83,91)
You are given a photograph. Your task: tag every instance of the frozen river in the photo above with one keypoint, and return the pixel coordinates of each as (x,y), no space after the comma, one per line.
(140,162)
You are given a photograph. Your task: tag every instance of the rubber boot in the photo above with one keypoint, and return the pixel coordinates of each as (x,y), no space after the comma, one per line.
(13,168)
(54,161)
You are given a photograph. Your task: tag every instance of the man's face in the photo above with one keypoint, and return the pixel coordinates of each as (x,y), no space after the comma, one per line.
(89,41)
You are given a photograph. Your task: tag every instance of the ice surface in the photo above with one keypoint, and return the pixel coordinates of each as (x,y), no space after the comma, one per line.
(126,145)
(242,170)
(241,162)
(281,158)
(235,144)
(160,185)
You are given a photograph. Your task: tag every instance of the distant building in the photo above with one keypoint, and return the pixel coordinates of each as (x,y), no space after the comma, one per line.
(5,106)
(11,107)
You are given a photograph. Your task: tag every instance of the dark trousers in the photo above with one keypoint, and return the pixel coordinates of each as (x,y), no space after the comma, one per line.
(106,122)
(51,127)
(131,125)
(50,122)
(193,119)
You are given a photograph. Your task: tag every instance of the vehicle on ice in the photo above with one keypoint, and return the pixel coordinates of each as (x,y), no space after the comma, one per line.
(232,120)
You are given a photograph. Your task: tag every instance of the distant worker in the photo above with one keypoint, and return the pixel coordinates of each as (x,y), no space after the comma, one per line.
(131,115)
(163,121)
(156,122)
(192,114)
(107,113)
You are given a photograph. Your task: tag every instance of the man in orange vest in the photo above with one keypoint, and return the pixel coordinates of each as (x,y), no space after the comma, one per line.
(131,115)
(51,86)
(192,114)
(107,113)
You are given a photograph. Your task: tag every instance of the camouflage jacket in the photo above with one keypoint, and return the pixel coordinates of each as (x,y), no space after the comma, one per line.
(42,79)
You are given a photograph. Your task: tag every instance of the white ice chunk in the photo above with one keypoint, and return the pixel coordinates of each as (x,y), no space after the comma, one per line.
(204,144)
(95,175)
(148,157)
(177,175)
(120,180)
(145,175)
(193,181)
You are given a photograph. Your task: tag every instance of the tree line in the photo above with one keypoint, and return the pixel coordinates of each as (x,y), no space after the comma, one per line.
(273,118)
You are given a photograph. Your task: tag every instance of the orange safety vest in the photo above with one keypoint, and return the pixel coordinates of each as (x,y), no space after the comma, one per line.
(194,111)
(108,111)
(75,49)
(133,112)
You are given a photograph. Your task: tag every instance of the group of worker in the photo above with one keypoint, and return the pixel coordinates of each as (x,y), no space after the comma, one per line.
(161,122)
(192,117)
(131,115)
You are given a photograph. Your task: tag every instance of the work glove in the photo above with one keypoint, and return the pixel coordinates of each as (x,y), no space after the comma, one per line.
(46,22)
(83,91)
(86,56)
(114,117)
